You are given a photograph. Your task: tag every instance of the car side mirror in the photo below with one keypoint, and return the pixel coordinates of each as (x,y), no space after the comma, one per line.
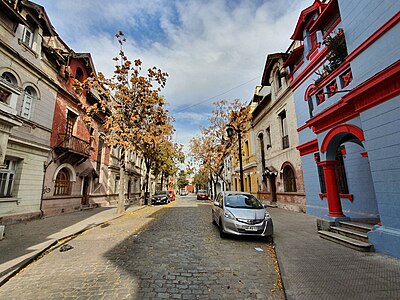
(265,206)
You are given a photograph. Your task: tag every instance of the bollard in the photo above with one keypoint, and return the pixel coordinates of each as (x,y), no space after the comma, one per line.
(2,228)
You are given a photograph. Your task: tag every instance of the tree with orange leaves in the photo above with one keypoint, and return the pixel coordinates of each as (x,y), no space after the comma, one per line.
(133,107)
(212,145)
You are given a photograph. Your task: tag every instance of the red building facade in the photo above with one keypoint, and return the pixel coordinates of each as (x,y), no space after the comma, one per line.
(76,170)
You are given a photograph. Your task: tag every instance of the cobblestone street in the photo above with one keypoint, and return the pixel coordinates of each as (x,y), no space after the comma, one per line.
(179,255)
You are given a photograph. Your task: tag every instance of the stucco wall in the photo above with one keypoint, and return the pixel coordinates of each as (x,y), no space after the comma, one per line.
(275,155)
(381,128)
(361,19)
(28,181)
(314,205)
(360,184)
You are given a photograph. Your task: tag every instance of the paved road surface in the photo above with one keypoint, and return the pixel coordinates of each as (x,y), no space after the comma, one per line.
(162,252)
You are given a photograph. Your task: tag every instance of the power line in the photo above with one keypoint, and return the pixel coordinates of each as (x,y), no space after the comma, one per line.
(223,93)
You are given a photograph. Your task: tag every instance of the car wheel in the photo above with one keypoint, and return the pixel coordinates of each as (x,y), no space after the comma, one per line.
(222,234)
(269,239)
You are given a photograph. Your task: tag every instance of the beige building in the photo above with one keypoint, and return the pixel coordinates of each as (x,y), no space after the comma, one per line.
(28,91)
(133,181)
(274,126)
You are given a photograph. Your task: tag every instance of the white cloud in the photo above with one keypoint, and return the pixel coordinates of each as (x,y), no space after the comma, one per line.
(206,47)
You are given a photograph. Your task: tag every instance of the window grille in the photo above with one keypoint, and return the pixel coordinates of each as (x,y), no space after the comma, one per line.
(289,179)
(341,172)
(63,183)
(321,176)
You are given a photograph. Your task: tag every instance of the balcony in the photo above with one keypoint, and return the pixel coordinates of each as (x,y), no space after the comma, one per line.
(72,149)
(285,142)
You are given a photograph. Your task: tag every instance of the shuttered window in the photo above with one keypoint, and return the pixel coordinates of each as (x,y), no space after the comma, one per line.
(30,96)
(27,37)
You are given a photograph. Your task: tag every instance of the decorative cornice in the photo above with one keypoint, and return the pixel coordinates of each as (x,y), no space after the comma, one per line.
(310,68)
(307,148)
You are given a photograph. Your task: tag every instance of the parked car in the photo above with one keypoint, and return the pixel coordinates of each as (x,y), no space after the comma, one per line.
(160,197)
(171,195)
(202,195)
(241,213)
(184,193)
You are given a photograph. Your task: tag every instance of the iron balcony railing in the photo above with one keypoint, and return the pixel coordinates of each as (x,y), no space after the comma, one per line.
(72,143)
(285,141)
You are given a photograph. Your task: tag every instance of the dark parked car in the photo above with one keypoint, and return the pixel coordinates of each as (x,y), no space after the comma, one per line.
(160,197)
(202,195)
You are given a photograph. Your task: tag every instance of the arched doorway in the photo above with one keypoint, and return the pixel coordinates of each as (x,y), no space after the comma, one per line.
(347,174)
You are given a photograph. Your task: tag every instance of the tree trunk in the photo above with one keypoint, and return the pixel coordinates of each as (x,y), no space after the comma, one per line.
(121,194)
(215,187)
(162,180)
(146,188)
(212,186)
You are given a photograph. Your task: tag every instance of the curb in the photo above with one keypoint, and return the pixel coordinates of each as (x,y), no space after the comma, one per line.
(9,273)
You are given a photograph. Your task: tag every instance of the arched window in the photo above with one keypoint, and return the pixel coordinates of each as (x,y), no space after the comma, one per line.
(30,96)
(9,78)
(277,79)
(310,106)
(261,143)
(63,183)
(309,100)
(289,180)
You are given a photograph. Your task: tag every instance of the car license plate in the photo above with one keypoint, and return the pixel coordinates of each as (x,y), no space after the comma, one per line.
(250,228)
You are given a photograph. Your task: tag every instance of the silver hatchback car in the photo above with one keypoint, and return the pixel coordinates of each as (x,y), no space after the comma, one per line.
(241,214)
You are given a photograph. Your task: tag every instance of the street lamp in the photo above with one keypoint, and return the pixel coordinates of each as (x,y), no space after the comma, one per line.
(229,131)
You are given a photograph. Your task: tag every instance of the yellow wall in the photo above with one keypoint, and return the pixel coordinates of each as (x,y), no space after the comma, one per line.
(249,172)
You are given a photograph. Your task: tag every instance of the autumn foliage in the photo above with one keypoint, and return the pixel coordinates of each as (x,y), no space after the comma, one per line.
(210,148)
(133,111)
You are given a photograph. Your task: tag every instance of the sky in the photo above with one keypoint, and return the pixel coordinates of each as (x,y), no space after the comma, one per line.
(211,49)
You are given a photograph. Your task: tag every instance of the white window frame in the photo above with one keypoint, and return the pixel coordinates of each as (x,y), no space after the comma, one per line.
(27,37)
(28,102)
(10,78)
(7,176)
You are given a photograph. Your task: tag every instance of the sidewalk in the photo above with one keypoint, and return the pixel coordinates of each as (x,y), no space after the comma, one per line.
(314,268)
(24,242)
